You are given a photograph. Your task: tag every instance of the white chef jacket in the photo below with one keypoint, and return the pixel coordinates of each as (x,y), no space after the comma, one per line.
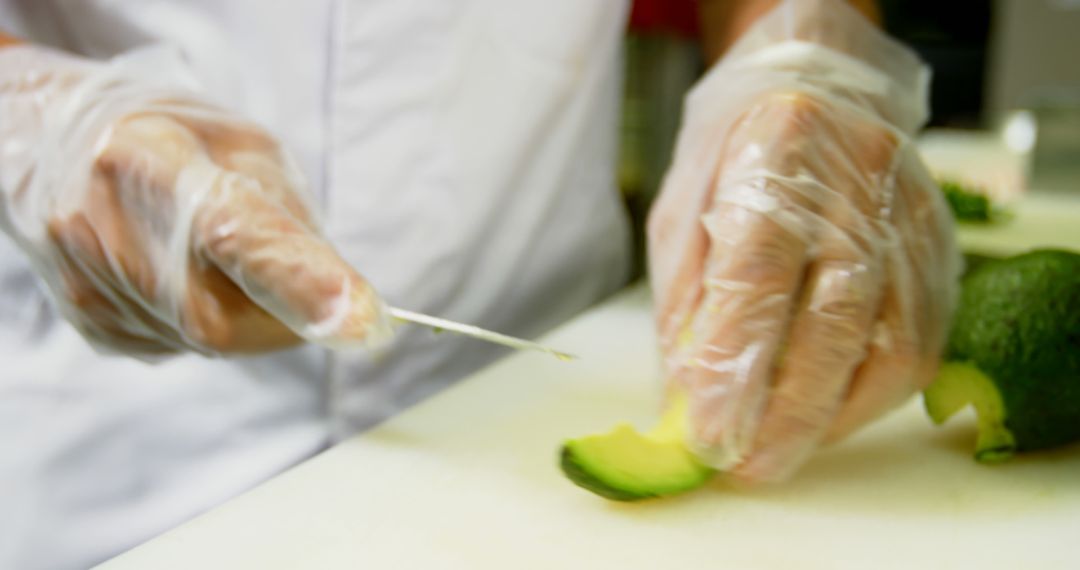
(462,156)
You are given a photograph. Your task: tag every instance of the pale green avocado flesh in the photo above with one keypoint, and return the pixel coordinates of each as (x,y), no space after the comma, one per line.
(626,465)
(959,384)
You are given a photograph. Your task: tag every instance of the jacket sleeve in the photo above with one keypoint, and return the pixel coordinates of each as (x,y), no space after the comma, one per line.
(91,28)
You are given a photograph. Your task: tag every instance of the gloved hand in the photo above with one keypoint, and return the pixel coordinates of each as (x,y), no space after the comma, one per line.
(802,259)
(159,222)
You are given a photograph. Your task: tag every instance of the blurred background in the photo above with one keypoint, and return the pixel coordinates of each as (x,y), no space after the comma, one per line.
(1005,94)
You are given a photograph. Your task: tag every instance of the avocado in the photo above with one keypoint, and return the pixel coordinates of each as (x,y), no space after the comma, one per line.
(973,261)
(1014,353)
(626,465)
(968,204)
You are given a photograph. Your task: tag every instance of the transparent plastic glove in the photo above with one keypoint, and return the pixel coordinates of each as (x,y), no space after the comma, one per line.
(802,259)
(160,222)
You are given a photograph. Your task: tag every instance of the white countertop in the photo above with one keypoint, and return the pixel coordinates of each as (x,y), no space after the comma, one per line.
(469,479)
(1039,218)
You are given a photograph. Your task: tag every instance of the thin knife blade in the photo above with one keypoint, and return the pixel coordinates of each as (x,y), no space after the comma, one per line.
(475,332)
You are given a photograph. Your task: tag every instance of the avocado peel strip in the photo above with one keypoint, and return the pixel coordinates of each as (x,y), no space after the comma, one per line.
(960,384)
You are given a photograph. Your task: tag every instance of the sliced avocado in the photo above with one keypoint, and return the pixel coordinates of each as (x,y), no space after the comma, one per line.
(959,384)
(626,465)
(1014,354)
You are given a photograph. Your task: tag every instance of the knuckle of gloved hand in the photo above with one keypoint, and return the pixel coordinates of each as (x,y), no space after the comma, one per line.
(765,208)
(205,328)
(894,341)
(790,111)
(757,315)
(230,136)
(778,135)
(214,236)
(798,409)
(837,310)
(147,148)
(841,345)
(843,290)
(231,220)
(767,267)
(841,339)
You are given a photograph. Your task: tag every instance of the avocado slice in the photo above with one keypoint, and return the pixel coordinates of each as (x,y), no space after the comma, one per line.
(626,465)
(1014,355)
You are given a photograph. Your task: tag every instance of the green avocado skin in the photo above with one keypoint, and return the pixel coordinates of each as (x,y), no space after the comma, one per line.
(973,261)
(1018,321)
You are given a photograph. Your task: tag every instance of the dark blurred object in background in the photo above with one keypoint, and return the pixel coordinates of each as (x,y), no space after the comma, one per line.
(674,17)
(662,63)
(1033,88)
(954,38)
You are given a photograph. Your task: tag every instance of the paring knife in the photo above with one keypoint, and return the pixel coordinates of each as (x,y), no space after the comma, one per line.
(475,332)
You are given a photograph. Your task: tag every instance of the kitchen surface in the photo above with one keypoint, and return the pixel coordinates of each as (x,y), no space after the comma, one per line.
(470,479)
(206,206)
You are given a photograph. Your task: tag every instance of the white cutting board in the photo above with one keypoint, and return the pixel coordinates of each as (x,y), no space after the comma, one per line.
(1038,218)
(469,480)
